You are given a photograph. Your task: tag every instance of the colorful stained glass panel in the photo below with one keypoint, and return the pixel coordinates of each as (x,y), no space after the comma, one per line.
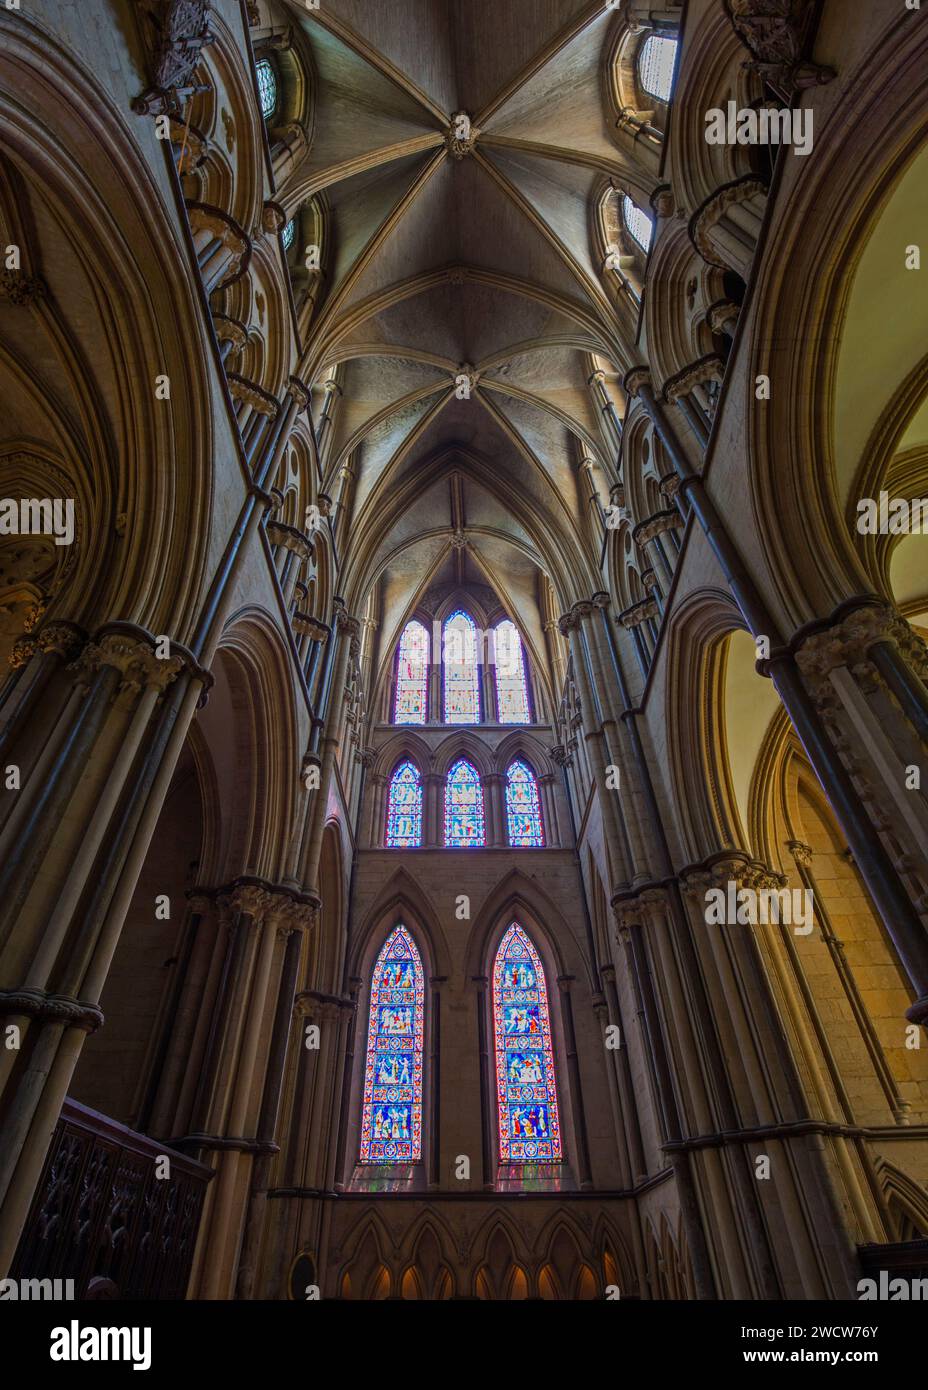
(391,1118)
(404,808)
(523,810)
(461,669)
(509,667)
(464,819)
(412,675)
(526,1089)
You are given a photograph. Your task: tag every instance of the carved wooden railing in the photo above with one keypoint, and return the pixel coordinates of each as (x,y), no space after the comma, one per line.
(102,1217)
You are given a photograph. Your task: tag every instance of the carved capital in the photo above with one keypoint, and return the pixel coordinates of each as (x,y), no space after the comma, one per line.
(635,378)
(710,368)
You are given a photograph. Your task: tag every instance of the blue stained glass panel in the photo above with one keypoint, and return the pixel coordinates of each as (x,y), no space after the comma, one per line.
(391,1118)
(461,669)
(523,809)
(412,675)
(509,667)
(526,1088)
(464,820)
(404,808)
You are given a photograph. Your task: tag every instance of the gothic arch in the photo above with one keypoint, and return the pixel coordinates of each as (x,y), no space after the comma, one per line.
(124,244)
(521,743)
(517,897)
(252,664)
(405,744)
(402,900)
(697,645)
(878,112)
(463,742)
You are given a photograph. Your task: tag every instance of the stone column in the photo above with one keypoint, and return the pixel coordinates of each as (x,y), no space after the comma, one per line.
(494,799)
(432,828)
(52,937)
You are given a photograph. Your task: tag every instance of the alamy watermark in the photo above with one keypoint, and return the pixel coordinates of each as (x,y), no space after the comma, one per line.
(38,516)
(897,1290)
(770,125)
(36,1290)
(733,906)
(892,516)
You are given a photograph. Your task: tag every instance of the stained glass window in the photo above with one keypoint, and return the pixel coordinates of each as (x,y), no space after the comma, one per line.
(267,87)
(511,684)
(461,671)
(391,1121)
(655,65)
(412,675)
(637,222)
(523,812)
(288,233)
(464,824)
(404,808)
(526,1091)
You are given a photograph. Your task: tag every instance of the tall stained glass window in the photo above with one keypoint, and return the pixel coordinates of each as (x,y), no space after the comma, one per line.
(391,1121)
(461,669)
(511,683)
(637,222)
(267,87)
(523,811)
(656,58)
(288,233)
(464,822)
(404,808)
(412,675)
(526,1090)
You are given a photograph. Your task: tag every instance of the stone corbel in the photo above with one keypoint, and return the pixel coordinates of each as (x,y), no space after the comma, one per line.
(183,33)
(639,613)
(252,394)
(776,33)
(706,369)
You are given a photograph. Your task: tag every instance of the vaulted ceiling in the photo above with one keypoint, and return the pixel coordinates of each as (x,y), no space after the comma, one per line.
(462,312)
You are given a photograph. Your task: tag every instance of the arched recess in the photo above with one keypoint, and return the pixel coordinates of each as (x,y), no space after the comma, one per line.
(365,1274)
(840,987)
(402,903)
(327,944)
(907,1201)
(258,765)
(828,396)
(887,506)
(109,314)
(38,576)
(566,1256)
(499,1270)
(713,738)
(518,899)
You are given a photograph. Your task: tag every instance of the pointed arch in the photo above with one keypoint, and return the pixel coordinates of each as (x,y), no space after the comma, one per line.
(465,820)
(526,1085)
(404,807)
(460,666)
(513,700)
(391,1118)
(410,700)
(524,826)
